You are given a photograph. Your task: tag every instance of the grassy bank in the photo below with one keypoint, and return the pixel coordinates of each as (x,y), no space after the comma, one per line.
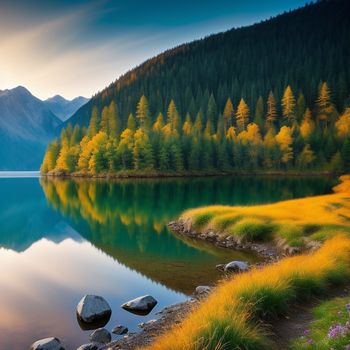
(230,317)
(235,315)
(297,223)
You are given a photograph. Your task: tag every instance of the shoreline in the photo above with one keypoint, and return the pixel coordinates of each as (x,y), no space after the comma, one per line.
(168,317)
(155,175)
(269,251)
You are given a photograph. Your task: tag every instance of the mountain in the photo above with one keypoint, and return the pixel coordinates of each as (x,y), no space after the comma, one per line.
(26,126)
(301,48)
(63,108)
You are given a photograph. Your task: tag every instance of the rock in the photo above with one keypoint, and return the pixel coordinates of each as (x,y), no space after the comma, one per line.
(220,267)
(141,305)
(200,290)
(236,266)
(93,311)
(47,344)
(90,346)
(100,335)
(120,330)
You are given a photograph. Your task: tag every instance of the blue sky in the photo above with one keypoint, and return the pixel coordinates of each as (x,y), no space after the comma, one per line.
(78,47)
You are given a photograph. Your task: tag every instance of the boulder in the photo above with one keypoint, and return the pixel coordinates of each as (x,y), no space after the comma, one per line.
(47,344)
(120,330)
(236,266)
(141,305)
(200,290)
(100,335)
(93,312)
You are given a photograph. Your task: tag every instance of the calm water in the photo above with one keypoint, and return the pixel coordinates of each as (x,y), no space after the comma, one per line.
(61,239)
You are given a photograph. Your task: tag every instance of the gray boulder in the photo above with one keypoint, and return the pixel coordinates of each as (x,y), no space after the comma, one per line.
(200,290)
(100,335)
(93,309)
(236,266)
(120,330)
(47,344)
(141,305)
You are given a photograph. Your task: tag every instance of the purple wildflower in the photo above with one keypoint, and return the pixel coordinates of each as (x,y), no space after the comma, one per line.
(310,341)
(337,330)
(306,331)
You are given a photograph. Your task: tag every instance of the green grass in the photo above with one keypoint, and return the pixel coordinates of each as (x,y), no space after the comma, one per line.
(292,234)
(252,229)
(325,316)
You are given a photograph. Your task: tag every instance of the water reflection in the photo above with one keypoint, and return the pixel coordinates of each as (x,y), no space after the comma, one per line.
(61,239)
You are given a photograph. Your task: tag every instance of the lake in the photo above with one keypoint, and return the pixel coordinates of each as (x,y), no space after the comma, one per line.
(62,239)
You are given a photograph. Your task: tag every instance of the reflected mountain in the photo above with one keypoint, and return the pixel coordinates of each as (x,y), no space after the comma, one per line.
(25,216)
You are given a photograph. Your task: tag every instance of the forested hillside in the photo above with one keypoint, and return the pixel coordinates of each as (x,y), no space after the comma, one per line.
(300,48)
(273,96)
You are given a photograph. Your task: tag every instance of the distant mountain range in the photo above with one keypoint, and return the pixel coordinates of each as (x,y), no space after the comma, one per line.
(63,108)
(27,124)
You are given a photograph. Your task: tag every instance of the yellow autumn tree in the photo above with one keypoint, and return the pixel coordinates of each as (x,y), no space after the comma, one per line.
(50,157)
(271,114)
(285,139)
(324,106)
(343,124)
(307,125)
(242,115)
(288,105)
(159,123)
(251,135)
(228,114)
(231,134)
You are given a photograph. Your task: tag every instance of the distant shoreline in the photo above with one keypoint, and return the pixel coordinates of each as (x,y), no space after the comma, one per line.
(155,175)
(6,174)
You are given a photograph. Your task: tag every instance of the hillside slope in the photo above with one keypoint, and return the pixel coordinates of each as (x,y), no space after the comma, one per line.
(300,48)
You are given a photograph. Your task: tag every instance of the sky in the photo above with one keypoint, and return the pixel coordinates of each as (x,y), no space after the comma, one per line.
(76,48)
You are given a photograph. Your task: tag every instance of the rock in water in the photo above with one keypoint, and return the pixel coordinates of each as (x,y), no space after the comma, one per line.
(47,344)
(141,305)
(120,330)
(236,266)
(200,290)
(100,335)
(93,312)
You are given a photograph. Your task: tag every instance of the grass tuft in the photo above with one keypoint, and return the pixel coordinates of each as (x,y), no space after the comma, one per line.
(251,229)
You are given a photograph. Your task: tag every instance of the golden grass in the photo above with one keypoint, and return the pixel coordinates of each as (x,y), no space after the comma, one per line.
(230,313)
(327,211)
(230,317)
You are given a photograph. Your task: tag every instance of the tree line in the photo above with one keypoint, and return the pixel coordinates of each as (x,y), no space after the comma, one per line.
(271,135)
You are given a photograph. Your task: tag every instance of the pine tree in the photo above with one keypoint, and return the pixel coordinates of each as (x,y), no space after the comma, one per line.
(228,114)
(288,106)
(242,115)
(271,115)
(131,124)
(94,122)
(259,112)
(324,107)
(143,113)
